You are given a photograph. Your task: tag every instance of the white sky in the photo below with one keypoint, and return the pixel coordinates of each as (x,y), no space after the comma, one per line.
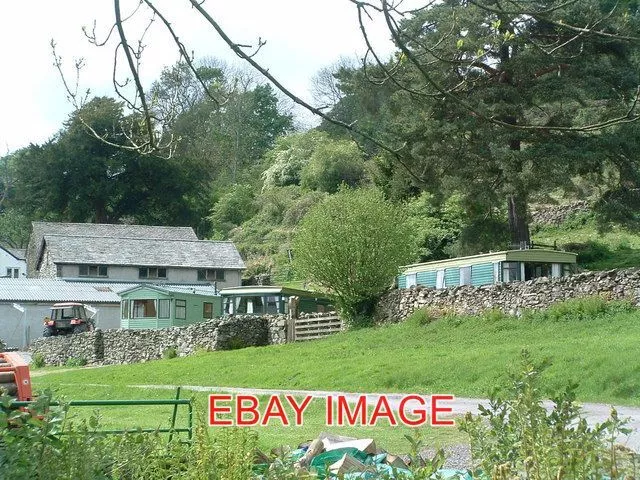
(302,37)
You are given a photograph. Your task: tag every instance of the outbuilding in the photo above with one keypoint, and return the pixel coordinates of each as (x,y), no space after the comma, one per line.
(162,306)
(489,268)
(24,302)
(272,299)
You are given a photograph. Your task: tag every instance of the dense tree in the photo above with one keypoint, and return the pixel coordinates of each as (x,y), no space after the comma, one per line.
(503,100)
(351,244)
(76,177)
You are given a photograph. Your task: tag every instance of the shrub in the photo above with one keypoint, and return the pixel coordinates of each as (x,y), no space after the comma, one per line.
(37,361)
(516,438)
(170,352)
(352,244)
(75,362)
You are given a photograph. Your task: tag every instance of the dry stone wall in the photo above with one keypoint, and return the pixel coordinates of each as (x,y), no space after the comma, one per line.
(557,214)
(106,347)
(511,298)
(130,346)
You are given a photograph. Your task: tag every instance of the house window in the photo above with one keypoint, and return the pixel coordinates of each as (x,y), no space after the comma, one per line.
(465,275)
(152,272)
(211,275)
(511,271)
(125,309)
(181,309)
(412,279)
(13,272)
(207,310)
(164,308)
(144,309)
(92,270)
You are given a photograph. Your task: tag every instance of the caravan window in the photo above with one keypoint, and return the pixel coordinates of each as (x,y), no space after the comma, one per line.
(144,309)
(465,275)
(412,279)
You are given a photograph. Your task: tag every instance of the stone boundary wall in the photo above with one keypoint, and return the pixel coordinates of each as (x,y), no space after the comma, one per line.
(122,346)
(511,298)
(556,214)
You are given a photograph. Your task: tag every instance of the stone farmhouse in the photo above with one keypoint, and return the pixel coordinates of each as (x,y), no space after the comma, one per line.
(130,253)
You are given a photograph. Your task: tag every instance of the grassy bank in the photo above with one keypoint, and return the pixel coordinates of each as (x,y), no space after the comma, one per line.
(589,342)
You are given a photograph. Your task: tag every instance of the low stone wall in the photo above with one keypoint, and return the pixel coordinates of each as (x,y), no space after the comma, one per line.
(510,297)
(130,346)
(556,214)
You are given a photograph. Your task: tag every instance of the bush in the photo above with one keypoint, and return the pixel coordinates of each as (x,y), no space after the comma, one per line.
(37,361)
(75,362)
(352,244)
(332,164)
(516,438)
(170,352)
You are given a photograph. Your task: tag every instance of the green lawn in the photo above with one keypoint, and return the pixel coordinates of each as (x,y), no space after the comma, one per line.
(273,435)
(466,356)
(589,341)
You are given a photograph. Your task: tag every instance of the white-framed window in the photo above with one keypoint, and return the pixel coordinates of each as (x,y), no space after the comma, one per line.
(93,271)
(144,308)
(181,309)
(440,282)
(13,272)
(212,275)
(511,271)
(152,272)
(412,279)
(164,308)
(465,275)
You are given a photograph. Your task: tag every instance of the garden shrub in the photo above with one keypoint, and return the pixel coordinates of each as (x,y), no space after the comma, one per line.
(517,438)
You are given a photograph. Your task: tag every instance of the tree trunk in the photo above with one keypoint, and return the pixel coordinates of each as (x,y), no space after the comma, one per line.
(518,225)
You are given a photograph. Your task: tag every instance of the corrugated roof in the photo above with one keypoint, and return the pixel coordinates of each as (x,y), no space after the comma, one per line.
(53,291)
(143,252)
(208,290)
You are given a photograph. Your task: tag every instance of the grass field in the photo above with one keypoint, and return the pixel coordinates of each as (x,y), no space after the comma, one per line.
(591,342)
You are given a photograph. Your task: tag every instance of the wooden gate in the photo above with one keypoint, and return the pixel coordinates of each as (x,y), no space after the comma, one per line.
(315,327)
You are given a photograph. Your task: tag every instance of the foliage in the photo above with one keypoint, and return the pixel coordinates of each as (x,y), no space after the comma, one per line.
(516,438)
(77,177)
(75,362)
(234,207)
(352,244)
(333,164)
(504,103)
(37,360)
(436,227)
(170,352)
(289,156)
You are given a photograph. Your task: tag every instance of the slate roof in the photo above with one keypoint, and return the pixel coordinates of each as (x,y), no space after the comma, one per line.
(19,253)
(41,229)
(143,252)
(53,291)
(100,230)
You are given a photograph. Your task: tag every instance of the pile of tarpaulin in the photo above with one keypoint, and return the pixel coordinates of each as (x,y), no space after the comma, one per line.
(332,457)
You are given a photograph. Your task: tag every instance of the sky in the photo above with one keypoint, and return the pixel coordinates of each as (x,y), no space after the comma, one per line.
(302,37)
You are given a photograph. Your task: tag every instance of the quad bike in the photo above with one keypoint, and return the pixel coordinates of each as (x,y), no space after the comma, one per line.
(68,318)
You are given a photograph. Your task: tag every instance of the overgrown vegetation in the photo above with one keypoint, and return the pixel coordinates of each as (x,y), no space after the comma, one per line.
(517,438)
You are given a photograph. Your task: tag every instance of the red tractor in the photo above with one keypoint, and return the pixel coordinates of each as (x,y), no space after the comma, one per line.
(68,318)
